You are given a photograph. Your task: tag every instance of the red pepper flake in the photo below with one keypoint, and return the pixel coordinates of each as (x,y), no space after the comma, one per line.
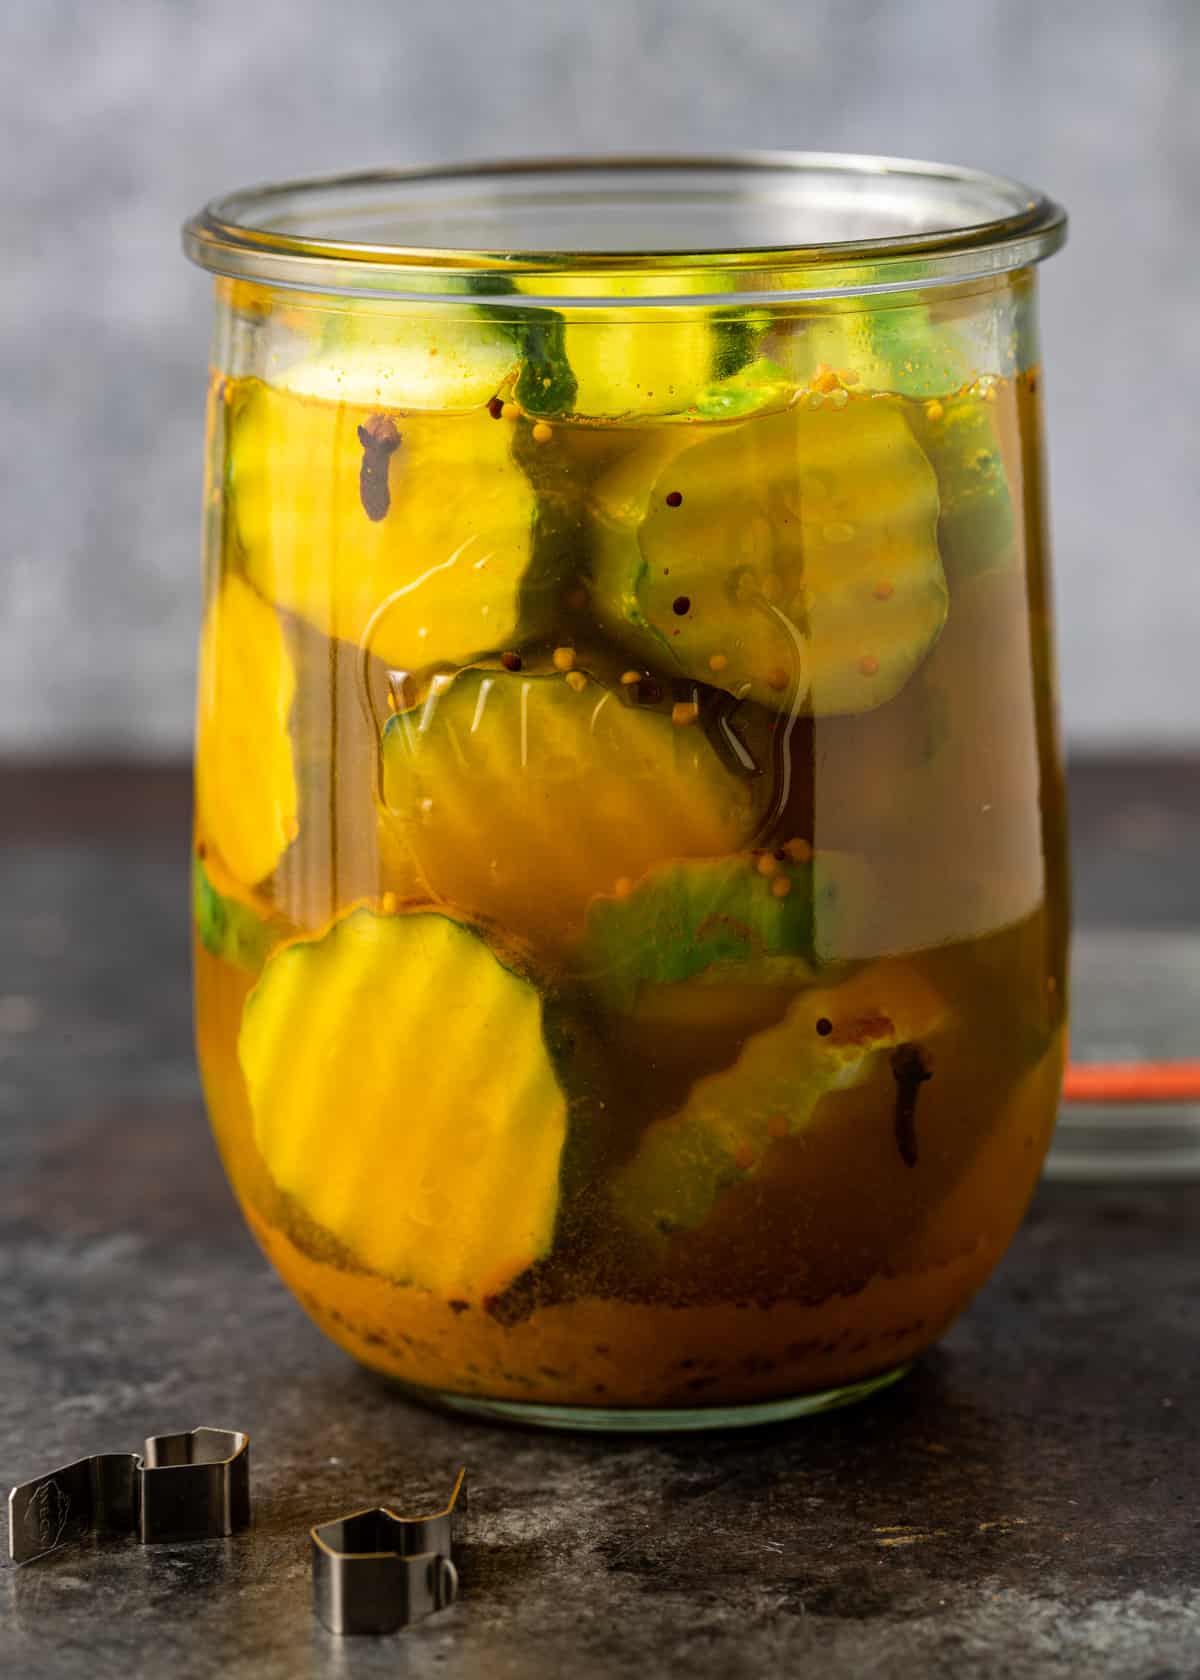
(380,440)
(866,1030)
(496,408)
(511,661)
(674,498)
(681,606)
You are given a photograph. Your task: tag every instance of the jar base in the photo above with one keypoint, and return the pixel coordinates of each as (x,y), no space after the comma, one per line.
(656,1420)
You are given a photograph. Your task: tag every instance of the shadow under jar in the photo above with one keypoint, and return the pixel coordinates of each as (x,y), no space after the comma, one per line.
(629,892)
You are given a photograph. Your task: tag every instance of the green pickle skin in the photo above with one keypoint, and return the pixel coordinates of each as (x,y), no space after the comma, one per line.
(665,1001)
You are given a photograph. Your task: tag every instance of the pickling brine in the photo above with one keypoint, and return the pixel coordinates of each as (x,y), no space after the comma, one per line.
(628,881)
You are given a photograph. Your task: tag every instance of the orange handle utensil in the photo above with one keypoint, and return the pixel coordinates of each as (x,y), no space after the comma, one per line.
(1132,1082)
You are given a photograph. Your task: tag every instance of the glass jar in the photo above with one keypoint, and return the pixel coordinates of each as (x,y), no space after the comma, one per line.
(629,876)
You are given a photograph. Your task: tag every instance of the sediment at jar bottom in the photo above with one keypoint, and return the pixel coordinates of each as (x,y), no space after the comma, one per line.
(603,1352)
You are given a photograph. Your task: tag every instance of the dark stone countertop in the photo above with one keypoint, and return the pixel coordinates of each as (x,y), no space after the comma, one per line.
(1024,1504)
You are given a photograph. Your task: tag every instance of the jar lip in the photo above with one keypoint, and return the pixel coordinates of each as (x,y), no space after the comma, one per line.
(934,224)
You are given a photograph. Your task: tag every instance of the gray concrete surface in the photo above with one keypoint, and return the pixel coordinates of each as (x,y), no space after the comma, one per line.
(117,117)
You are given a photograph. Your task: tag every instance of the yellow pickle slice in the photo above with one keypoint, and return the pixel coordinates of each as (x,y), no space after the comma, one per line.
(404,1094)
(408,533)
(791,559)
(829,1040)
(520,797)
(246,799)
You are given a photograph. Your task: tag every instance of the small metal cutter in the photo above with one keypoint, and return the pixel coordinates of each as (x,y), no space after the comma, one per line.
(375,1571)
(193,1486)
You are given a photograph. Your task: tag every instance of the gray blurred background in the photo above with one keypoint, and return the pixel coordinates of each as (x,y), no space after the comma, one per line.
(118,117)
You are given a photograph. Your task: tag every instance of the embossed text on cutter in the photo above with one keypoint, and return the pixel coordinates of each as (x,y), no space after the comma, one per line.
(375,1571)
(192,1486)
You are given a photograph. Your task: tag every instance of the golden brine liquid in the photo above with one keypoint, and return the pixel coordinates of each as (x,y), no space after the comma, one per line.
(628,870)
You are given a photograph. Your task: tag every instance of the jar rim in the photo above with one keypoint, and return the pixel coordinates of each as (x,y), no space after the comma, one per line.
(910,225)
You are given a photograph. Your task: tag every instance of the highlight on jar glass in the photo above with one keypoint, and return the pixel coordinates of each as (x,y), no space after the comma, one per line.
(629,885)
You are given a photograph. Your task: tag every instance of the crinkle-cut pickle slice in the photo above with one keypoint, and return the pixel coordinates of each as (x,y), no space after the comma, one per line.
(704,952)
(403,1093)
(827,1042)
(691,926)
(673,366)
(410,534)
(522,796)
(790,558)
(246,797)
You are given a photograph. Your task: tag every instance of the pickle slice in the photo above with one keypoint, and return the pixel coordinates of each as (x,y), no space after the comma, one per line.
(704,952)
(791,559)
(662,367)
(977,530)
(410,364)
(574,365)
(403,1093)
(829,1040)
(522,796)
(408,534)
(246,798)
(764,918)
(228,923)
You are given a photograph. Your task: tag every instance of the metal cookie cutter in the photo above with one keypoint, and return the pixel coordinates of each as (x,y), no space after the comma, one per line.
(375,1571)
(193,1486)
